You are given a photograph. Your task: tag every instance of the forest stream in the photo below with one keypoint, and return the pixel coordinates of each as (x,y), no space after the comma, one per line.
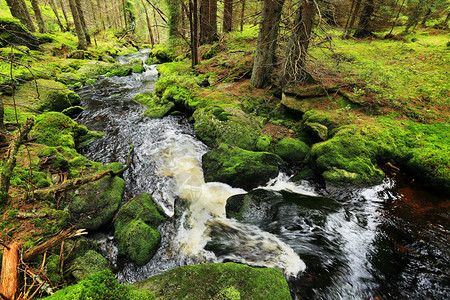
(387,241)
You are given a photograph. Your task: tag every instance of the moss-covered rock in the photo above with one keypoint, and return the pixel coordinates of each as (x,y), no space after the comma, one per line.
(93,205)
(228,125)
(73,111)
(88,264)
(136,228)
(94,69)
(291,150)
(163,52)
(157,107)
(136,65)
(101,285)
(58,130)
(218,281)
(239,167)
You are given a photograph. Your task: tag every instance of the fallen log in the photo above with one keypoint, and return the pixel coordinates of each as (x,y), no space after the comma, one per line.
(11,158)
(62,236)
(9,284)
(76,183)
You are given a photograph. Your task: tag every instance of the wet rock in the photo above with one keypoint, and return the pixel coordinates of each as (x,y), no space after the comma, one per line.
(93,205)
(238,167)
(228,125)
(317,130)
(136,228)
(157,107)
(264,143)
(291,150)
(218,281)
(88,264)
(78,54)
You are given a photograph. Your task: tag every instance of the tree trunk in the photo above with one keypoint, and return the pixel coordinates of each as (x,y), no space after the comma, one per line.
(19,10)
(204,21)
(9,284)
(174,17)
(82,42)
(242,15)
(227,16)
(156,27)
(107,12)
(149,25)
(267,42)
(427,16)
(100,14)
(396,18)
(364,29)
(193,23)
(83,22)
(61,2)
(2,118)
(352,18)
(55,11)
(294,65)
(38,15)
(213,36)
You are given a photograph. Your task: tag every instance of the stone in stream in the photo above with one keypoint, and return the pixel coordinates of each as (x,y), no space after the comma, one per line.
(136,228)
(240,168)
(218,281)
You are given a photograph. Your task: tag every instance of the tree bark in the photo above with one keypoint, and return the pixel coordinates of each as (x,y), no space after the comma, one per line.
(38,15)
(156,26)
(82,42)
(364,29)
(100,14)
(83,22)
(149,25)
(213,36)
(294,64)
(55,11)
(9,284)
(11,158)
(352,18)
(267,42)
(19,10)
(242,15)
(61,2)
(227,16)
(2,118)
(174,17)
(204,21)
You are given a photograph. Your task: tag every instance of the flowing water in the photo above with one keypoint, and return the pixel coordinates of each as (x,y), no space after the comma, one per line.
(384,242)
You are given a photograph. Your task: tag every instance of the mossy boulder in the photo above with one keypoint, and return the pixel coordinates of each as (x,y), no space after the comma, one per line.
(136,65)
(238,167)
(303,105)
(93,205)
(157,107)
(229,125)
(163,52)
(136,228)
(88,264)
(264,143)
(101,285)
(218,281)
(58,130)
(73,111)
(291,150)
(93,69)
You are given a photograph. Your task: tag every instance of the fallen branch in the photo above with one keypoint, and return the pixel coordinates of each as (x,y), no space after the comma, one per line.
(9,284)
(76,183)
(64,235)
(11,158)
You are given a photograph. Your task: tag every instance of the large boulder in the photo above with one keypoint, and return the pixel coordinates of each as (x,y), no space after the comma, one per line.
(291,150)
(157,107)
(88,264)
(136,228)
(228,125)
(240,168)
(218,281)
(93,205)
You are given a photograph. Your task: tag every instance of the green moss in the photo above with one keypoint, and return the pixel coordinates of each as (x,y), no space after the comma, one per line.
(101,285)
(164,52)
(94,69)
(291,150)
(94,205)
(218,281)
(233,127)
(136,65)
(136,228)
(264,143)
(238,167)
(53,272)
(88,264)
(157,107)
